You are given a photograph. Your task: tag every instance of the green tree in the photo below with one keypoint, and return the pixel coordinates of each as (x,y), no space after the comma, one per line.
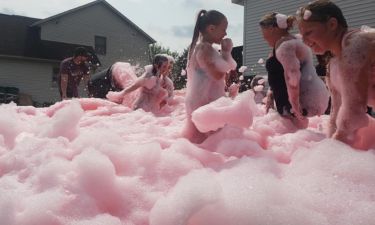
(158,49)
(179,71)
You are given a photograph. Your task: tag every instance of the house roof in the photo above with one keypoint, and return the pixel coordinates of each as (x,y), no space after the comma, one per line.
(14,32)
(37,23)
(19,39)
(239,2)
(43,49)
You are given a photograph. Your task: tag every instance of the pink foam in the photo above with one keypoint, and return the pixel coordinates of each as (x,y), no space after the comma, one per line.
(91,162)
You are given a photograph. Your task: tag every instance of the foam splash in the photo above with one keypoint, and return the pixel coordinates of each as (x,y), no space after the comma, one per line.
(112,165)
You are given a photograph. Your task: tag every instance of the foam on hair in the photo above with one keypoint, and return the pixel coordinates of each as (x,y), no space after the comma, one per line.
(275,19)
(321,11)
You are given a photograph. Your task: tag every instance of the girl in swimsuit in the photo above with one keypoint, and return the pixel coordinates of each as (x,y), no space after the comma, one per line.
(294,85)
(351,70)
(206,67)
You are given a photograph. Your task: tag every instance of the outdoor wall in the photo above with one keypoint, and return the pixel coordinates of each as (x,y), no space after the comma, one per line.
(357,13)
(30,77)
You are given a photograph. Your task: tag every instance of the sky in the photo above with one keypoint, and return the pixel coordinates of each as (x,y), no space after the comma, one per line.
(169,22)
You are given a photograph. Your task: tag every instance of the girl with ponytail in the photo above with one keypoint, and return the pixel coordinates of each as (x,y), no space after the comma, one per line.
(151,92)
(206,66)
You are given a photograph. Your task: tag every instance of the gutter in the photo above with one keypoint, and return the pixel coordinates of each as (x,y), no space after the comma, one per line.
(239,2)
(29,59)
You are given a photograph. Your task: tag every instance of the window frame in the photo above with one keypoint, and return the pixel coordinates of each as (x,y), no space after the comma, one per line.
(100,45)
(55,77)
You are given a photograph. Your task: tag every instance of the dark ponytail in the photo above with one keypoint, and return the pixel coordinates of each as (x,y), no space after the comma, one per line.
(158,61)
(204,18)
(196,31)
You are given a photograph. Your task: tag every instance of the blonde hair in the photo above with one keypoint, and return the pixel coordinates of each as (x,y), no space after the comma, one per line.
(270,20)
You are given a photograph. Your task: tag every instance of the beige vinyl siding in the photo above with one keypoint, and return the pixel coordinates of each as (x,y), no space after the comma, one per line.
(124,42)
(30,77)
(357,13)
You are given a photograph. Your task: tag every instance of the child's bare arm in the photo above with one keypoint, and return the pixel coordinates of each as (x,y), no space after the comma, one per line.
(335,107)
(286,54)
(355,74)
(215,63)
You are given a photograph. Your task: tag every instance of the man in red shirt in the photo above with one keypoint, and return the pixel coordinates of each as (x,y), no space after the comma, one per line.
(72,71)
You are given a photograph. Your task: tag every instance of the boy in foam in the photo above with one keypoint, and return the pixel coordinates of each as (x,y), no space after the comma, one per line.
(351,75)
(151,93)
(296,88)
(206,66)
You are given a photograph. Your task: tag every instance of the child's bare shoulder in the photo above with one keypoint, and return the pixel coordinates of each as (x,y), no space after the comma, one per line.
(359,44)
(286,40)
(359,38)
(204,49)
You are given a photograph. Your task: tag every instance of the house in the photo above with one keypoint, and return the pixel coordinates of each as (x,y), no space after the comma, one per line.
(31,49)
(356,12)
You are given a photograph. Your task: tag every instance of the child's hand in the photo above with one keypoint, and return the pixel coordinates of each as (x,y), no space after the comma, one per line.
(343,137)
(115,97)
(300,122)
(299,116)
(331,128)
(269,101)
(226,45)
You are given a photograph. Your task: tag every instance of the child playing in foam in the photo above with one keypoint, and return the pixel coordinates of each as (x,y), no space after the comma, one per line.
(151,93)
(351,75)
(206,67)
(116,78)
(295,86)
(167,83)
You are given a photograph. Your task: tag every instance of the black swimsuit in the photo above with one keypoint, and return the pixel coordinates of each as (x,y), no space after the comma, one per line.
(277,83)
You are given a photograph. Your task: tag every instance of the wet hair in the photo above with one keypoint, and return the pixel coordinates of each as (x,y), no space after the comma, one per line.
(170,58)
(270,20)
(80,51)
(204,19)
(322,11)
(158,61)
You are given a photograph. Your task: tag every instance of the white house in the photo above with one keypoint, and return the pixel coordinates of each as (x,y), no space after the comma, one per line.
(356,12)
(32,49)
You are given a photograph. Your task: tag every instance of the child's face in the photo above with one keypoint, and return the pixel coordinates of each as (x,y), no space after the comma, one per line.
(316,35)
(170,67)
(269,36)
(164,67)
(81,59)
(218,32)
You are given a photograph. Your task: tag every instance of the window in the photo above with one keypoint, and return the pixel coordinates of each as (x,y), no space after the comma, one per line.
(100,45)
(55,77)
